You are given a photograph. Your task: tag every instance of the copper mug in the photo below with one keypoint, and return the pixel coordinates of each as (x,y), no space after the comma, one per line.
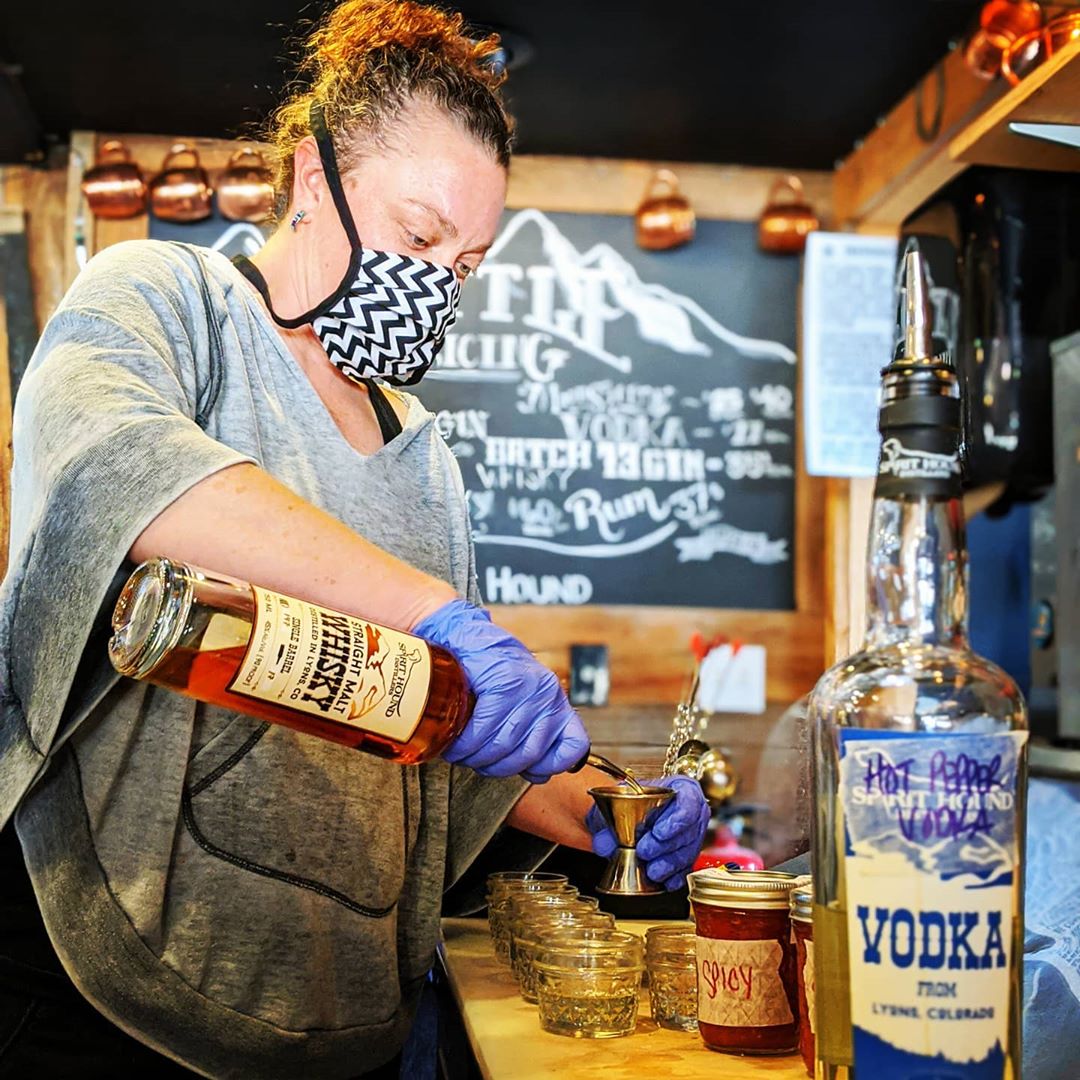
(114,187)
(786,219)
(244,190)
(665,218)
(181,192)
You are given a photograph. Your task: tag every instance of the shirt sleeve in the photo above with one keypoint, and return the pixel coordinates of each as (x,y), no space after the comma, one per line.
(104,439)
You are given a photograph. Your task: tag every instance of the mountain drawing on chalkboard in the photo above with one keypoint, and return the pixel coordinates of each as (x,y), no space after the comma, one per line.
(663,317)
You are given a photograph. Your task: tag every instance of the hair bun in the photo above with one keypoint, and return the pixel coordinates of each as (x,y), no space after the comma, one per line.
(357,31)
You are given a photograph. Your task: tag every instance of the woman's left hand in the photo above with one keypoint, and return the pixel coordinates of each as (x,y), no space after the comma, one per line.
(673,839)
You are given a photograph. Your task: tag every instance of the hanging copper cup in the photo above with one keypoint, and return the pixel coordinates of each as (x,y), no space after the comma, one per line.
(114,187)
(1012,18)
(181,192)
(665,218)
(786,219)
(244,190)
(992,46)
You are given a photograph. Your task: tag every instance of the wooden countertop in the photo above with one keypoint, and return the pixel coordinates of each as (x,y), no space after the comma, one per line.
(508,1044)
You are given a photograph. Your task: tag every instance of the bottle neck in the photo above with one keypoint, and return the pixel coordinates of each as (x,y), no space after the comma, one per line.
(917,571)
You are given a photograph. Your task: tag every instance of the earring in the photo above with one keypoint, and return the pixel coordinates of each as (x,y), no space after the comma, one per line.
(297,218)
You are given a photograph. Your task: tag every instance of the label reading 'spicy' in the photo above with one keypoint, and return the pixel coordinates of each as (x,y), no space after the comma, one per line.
(930,878)
(335,666)
(739,983)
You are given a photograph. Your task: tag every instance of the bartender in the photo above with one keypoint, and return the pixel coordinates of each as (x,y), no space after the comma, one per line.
(237,897)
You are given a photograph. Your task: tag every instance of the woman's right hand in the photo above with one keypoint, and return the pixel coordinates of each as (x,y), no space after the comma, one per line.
(522,721)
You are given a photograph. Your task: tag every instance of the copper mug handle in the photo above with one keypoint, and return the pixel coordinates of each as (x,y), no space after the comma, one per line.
(1016,51)
(790,184)
(663,183)
(113,152)
(237,156)
(177,150)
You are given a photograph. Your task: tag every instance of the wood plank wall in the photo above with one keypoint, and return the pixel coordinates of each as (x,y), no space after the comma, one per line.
(648,645)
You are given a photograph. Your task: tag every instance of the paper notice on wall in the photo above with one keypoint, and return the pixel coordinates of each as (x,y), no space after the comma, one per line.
(848,318)
(732,679)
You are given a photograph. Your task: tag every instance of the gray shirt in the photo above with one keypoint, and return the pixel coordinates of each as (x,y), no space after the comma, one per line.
(251,901)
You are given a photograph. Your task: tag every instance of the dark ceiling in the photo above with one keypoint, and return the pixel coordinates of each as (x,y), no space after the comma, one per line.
(779,83)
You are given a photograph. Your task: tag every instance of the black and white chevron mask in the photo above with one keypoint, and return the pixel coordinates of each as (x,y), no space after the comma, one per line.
(391,323)
(388,317)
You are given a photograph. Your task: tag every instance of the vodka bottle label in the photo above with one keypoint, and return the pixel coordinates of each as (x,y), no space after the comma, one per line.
(930,872)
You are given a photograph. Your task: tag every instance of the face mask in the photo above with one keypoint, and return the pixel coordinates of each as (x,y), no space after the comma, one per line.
(388,317)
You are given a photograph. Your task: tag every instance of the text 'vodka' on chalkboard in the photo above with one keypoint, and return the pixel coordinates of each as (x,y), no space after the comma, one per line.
(624,420)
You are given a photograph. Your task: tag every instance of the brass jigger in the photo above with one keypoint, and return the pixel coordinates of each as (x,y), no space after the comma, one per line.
(625,812)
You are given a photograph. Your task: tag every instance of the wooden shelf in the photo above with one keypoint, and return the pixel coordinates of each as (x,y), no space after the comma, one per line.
(1049,95)
(895,170)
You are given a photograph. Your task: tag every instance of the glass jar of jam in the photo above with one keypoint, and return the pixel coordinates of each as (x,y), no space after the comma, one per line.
(745,960)
(802,927)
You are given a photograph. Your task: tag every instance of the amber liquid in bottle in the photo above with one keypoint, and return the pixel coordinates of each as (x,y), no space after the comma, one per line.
(206,655)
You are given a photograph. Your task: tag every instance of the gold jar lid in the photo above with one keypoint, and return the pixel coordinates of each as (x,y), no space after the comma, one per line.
(758,889)
(802,899)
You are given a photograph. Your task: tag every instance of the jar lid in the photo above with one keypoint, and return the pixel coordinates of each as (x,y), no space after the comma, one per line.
(802,899)
(741,888)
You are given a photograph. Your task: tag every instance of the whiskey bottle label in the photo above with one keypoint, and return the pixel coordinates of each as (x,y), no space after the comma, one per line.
(739,983)
(930,877)
(335,666)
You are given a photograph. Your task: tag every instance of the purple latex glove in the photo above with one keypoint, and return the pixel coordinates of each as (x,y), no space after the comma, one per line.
(522,722)
(673,837)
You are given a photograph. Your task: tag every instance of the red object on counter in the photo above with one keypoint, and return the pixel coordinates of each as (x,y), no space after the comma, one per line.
(726,849)
(747,997)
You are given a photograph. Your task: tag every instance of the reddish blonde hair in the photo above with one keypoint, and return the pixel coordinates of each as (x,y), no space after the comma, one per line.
(368,60)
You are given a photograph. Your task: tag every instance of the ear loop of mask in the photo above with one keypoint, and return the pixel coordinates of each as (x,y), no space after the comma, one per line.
(328,157)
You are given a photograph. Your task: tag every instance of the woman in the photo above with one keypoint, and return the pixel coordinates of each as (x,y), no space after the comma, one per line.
(243,899)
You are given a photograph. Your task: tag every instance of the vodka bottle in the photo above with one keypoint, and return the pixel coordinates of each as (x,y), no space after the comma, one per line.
(919,774)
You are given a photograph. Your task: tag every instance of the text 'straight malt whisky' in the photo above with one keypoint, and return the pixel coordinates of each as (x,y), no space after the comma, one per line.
(288,661)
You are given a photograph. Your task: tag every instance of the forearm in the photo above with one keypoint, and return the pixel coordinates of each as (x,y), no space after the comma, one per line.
(556,810)
(243,522)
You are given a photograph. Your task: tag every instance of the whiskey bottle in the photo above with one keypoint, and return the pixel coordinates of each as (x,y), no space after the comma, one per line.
(919,751)
(288,661)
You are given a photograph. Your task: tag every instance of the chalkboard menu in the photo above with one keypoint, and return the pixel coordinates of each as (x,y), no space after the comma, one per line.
(624,420)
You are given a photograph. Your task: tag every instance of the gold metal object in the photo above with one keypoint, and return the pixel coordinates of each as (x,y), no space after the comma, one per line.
(626,813)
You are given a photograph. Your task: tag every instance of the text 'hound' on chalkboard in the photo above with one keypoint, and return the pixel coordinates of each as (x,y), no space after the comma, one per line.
(624,420)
